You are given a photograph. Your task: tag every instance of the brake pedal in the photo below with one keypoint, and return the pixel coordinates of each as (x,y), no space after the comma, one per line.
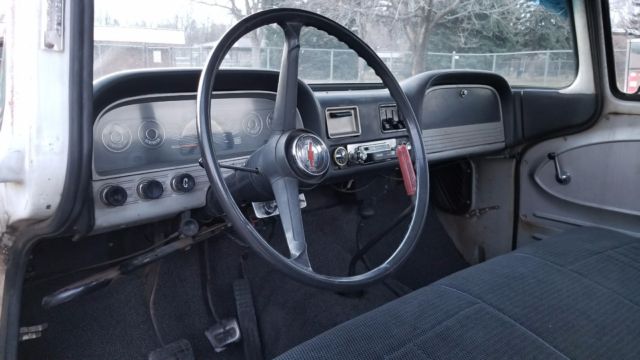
(177,350)
(223,334)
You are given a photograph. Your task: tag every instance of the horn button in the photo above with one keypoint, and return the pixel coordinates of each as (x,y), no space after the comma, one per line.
(308,155)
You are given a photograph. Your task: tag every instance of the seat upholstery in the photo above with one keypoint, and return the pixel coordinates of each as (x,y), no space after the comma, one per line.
(575,295)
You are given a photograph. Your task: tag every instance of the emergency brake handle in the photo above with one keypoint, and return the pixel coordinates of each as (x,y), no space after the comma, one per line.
(80,288)
(104,278)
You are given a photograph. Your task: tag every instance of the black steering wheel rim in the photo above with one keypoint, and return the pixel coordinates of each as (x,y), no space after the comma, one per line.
(288,19)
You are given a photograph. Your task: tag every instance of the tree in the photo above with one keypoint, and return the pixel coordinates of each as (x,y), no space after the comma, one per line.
(419,26)
(420,19)
(360,16)
(240,11)
(538,27)
(198,33)
(625,16)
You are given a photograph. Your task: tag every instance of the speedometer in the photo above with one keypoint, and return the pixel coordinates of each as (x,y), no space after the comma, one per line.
(188,145)
(188,140)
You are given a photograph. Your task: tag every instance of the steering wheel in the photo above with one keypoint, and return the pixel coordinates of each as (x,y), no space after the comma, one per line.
(292,156)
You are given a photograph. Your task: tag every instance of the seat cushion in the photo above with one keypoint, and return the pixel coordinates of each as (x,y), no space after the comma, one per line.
(575,295)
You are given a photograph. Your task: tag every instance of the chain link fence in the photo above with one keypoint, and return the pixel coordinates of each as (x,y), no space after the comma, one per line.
(550,68)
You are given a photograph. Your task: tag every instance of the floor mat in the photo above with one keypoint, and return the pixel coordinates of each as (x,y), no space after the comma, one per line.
(115,323)
(435,255)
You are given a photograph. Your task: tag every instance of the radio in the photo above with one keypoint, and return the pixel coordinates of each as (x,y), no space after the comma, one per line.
(368,152)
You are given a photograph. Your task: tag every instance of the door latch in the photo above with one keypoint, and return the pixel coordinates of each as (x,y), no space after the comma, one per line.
(562,177)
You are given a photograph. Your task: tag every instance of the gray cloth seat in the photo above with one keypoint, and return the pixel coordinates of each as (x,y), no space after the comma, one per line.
(575,295)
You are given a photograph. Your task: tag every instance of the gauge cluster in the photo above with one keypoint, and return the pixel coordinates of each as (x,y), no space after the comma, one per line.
(146,152)
(156,132)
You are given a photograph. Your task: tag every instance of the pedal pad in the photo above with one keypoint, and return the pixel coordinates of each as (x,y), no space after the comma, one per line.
(224,333)
(177,350)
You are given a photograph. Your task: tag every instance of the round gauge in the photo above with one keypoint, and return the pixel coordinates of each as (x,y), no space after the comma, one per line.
(270,120)
(151,134)
(116,138)
(252,124)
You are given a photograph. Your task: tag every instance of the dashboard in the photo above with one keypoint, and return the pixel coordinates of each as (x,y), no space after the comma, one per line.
(146,152)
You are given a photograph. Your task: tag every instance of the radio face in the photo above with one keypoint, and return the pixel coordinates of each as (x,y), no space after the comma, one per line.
(367,153)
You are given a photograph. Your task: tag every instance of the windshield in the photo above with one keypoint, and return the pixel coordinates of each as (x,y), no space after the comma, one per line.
(2,64)
(525,41)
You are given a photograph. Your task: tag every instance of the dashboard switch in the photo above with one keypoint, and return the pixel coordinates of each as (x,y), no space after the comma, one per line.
(113,195)
(361,154)
(183,183)
(391,119)
(340,156)
(150,189)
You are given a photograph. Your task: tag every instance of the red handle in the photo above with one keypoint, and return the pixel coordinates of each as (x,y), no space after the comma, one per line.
(406,168)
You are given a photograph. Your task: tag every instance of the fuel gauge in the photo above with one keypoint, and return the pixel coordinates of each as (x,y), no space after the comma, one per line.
(116,138)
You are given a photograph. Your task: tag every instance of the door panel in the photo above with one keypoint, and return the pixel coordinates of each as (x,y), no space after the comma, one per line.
(604,188)
(613,170)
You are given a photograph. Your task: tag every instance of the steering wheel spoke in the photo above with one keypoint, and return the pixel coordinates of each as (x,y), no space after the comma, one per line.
(286,190)
(284,113)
